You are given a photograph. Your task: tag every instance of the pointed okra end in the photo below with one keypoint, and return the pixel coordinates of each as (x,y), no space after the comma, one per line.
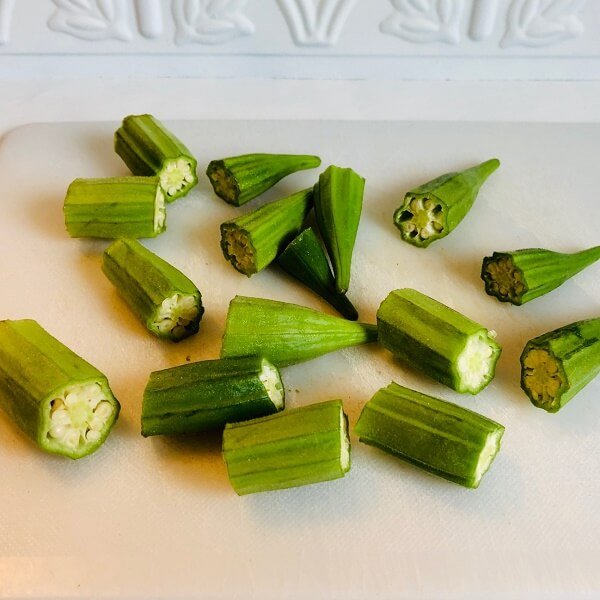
(224,182)
(177,317)
(293,448)
(503,279)
(543,378)
(238,248)
(421,219)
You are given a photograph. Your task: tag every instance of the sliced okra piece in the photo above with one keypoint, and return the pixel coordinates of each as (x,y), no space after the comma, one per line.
(55,397)
(523,275)
(148,148)
(287,333)
(305,259)
(432,210)
(557,365)
(239,179)
(253,241)
(437,436)
(438,341)
(296,447)
(338,204)
(115,207)
(161,296)
(206,395)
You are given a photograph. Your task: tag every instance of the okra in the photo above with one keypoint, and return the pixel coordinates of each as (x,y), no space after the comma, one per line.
(296,447)
(433,210)
(253,241)
(559,364)
(287,333)
(206,395)
(437,436)
(161,296)
(148,148)
(438,341)
(55,397)
(523,275)
(239,179)
(305,259)
(115,207)
(338,204)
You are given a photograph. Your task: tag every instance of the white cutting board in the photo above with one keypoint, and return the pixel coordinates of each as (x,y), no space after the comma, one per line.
(156,518)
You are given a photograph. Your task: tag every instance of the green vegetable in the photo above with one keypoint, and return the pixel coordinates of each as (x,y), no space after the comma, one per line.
(148,148)
(206,395)
(305,259)
(523,275)
(253,241)
(338,204)
(55,397)
(437,436)
(557,365)
(239,179)
(161,296)
(437,340)
(287,333)
(431,211)
(115,207)
(296,447)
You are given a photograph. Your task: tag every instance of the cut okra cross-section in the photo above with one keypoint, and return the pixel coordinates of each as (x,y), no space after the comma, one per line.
(442,438)
(239,179)
(252,242)
(55,397)
(162,297)
(115,207)
(432,210)
(437,340)
(296,447)
(523,275)
(206,395)
(557,365)
(148,148)
(287,333)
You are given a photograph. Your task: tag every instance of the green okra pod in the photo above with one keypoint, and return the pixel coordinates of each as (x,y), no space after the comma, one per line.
(296,447)
(432,210)
(304,258)
(338,197)
(437,436)
(253,241)
(287,333)
(557,365)
(523,275)
(55,397)
(148,148)
(438,341)
(115,207)
(239,179)
(206,395)
(161,296)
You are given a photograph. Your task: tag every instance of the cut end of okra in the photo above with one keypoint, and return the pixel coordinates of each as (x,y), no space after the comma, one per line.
(271,379)
(79,418)
(543,378)
(503,279)
(177,316)
(223,181)
(177,175)
(160,212)
(238,248)
(421,219)
(476,364)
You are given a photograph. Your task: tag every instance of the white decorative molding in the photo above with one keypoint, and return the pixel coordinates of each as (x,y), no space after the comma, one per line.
(149,17)
(210,21)
(6,10)
(423,21)
(316,22)
(537,23)
(483,19)
(92,20)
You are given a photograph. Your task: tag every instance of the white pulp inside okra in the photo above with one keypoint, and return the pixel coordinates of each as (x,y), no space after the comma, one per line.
(476,362)
(542,376)
(175,315)
(239,249)
(422,218)
(78,415)
(269,377)
(160,212)
(344,443)
(487,455)
(175,175)
(504,279)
